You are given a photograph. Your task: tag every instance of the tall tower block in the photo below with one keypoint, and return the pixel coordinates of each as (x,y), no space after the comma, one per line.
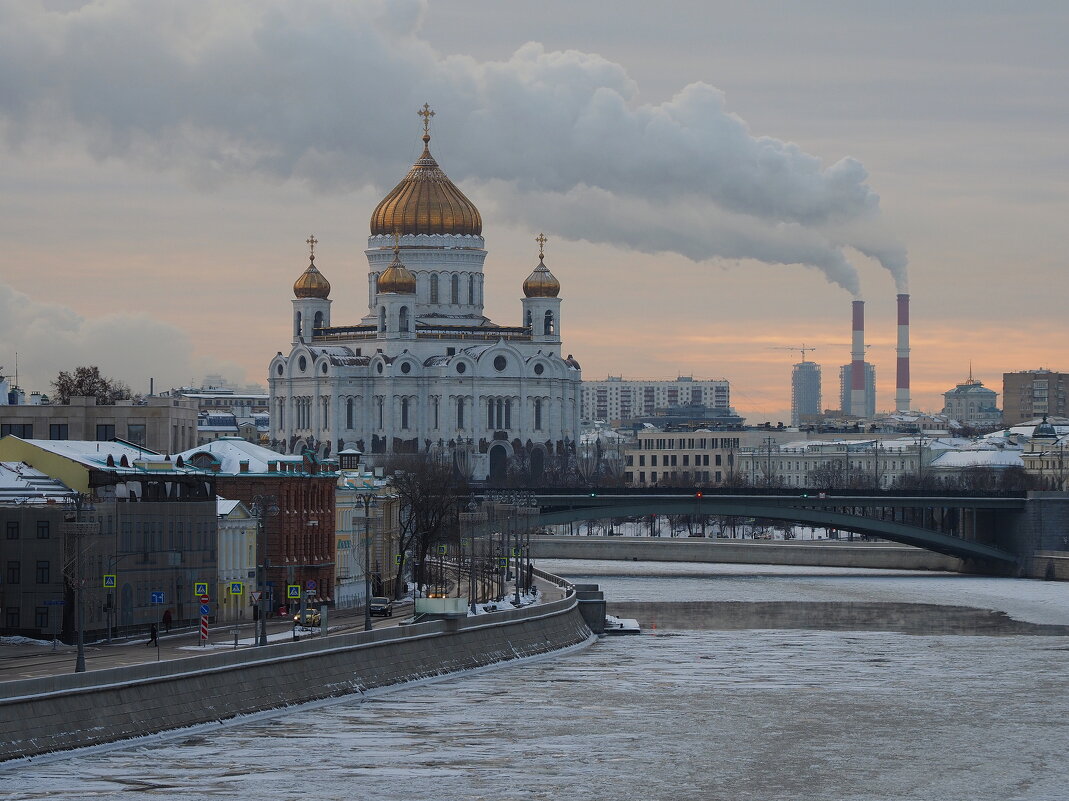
(902,402)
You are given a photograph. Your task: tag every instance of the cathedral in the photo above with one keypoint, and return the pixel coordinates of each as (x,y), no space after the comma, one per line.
(425,370)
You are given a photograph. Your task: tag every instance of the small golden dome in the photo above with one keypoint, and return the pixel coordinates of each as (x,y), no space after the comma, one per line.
(397,278)
(311,283)
(426,202)
(541,283)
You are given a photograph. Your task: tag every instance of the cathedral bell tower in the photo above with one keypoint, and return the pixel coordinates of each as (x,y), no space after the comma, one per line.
(311,302)
(396,298)
(541,306)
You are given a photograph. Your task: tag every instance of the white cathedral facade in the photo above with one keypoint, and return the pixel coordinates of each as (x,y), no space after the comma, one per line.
(425,370)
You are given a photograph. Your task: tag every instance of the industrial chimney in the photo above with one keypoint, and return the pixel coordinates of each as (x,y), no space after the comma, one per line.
(857,361)
(902,403)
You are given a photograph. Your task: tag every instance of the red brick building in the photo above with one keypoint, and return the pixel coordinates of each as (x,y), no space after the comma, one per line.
(297,493)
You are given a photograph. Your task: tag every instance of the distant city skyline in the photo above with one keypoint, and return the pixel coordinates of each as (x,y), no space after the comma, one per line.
(162,178)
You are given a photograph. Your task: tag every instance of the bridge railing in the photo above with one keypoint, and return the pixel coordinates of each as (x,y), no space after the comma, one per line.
(557,581)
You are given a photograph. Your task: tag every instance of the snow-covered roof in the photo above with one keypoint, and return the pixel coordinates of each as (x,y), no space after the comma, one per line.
(230,452)
(977,458)
(224,506)
(20,483)
(95,455)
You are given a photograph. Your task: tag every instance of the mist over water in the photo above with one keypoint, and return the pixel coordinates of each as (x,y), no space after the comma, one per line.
(667,715)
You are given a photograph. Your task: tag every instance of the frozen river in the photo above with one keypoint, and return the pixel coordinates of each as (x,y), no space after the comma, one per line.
(672,715)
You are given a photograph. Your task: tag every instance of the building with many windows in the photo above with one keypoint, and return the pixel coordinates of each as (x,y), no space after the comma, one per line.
(805,393)
(680,459)
(425,369)
(616,399)
(163,425)
(972,404)
(1031,394)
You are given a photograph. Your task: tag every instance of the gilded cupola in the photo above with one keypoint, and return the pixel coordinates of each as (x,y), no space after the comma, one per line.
(311,283)
(397,278)
(541,283)
(426,201)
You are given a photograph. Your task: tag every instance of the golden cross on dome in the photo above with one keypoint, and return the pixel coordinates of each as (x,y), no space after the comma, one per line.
(426,113)
(311,241)
(541,240)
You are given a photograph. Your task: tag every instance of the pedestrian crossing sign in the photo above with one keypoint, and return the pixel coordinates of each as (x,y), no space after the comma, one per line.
(109,580)
(200,588)
(443,550)
(237,588)
(503,561)
(399,559)
(515,551)
(293,591)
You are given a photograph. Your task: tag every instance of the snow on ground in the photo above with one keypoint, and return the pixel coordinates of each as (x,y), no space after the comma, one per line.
(1024,599)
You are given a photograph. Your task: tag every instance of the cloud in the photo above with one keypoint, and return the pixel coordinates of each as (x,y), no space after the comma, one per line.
(324,90)
(49,337)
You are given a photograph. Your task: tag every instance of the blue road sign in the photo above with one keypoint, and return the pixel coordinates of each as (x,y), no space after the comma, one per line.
(309,585)
(157,597)
(53,603)
(205,609)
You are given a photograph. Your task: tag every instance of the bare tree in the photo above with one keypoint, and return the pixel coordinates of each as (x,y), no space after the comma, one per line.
(87,382)
(430,493)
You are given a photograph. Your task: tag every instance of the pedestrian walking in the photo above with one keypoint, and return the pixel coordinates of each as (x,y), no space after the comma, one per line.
(167,621)
(153,636)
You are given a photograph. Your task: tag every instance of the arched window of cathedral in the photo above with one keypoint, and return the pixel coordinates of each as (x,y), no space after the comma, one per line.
(382,318)
(454,291)
(297,325)
(380,412)
(317,321)
(471,289)
(528,318)
(460,412)
(404,413)
(538,414)
(402,319)
(490,413)
(349,413)
(547,327)
(434,288)
(508,413)
(436,413)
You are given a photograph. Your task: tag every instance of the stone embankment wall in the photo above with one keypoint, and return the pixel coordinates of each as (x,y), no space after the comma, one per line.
(687,549)
(74,710)
(906,618)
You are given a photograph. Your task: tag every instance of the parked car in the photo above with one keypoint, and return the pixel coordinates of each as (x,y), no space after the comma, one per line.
(311,618)
(382,606)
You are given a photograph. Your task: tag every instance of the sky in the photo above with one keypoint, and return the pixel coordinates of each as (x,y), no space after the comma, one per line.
(717,180)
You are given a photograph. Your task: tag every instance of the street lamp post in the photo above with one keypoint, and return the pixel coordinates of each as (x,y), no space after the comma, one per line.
(369,501)
(262,506)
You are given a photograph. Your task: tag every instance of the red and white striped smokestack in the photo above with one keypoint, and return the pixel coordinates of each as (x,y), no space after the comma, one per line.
(857,361)
(902,402)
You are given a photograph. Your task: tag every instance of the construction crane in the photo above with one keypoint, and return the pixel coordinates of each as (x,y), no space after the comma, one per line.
(800,348)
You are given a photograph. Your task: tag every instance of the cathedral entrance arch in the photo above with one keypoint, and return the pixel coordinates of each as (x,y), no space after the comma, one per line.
(499,459)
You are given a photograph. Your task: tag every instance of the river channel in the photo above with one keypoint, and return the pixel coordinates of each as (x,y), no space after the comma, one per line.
(766,715)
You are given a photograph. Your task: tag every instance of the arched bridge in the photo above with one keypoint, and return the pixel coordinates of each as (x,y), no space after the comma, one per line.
(978,528)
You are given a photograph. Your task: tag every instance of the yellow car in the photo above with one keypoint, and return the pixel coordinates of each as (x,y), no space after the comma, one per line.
(311,618)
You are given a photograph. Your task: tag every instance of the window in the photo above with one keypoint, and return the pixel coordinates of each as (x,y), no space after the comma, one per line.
(43,572)
(436,413)
(404,413)
(547,326)
(12,530)
(460,411)
(454,293)
(42,529)
(11,617)
(14,571)
(653,460)
(434,289)
(135,433)
(105,432)
(24,430)
(57,431)
(40,617)
(402,319)
(471,289)
(641,460)
(538,414)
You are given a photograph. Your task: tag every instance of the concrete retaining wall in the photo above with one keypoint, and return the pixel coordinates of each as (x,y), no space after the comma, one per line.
(73,710)
(817,554)
(928,619)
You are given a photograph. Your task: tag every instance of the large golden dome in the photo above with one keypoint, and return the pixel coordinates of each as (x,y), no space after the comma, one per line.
(311,283)
(397,278)
(426,202)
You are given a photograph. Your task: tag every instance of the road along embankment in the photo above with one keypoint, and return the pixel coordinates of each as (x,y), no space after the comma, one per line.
(73,710)
(905,618)
(825,553)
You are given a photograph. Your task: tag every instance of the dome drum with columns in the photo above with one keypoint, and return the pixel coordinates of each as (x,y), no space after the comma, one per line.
(424,369)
